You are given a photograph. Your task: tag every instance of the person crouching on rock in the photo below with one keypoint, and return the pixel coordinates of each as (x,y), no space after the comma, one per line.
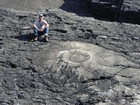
(41,27)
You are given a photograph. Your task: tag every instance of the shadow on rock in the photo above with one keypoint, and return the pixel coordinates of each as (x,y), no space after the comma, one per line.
(108,10)
(79,102)
(25,37)
(30,37)
(76,6)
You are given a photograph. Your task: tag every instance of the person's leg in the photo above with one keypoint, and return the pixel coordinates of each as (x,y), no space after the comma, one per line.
(46,31)
(35,34)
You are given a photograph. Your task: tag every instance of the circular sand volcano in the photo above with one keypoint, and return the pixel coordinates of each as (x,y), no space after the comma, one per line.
(76,56)
(78,66)
(83,58)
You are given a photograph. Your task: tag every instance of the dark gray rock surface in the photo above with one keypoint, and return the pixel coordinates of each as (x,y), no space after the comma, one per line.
(86,62)
(118,10)
(28,5)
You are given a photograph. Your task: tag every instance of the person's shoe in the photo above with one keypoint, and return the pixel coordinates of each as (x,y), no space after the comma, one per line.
(46,39)
(36,38)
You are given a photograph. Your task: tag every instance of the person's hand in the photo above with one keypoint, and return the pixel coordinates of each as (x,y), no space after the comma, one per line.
(41,30)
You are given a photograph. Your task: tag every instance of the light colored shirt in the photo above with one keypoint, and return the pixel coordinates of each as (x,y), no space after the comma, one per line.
(40,25)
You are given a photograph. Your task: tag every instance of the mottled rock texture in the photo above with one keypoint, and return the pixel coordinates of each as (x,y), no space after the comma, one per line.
(86,62)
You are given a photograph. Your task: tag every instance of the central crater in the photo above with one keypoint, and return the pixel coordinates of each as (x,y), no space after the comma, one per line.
(76,56)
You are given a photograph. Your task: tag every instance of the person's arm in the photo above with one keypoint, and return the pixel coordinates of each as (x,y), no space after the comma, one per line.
(46,25)
(34,26)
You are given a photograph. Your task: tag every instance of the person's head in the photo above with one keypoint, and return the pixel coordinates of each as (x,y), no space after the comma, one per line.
(41,17)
